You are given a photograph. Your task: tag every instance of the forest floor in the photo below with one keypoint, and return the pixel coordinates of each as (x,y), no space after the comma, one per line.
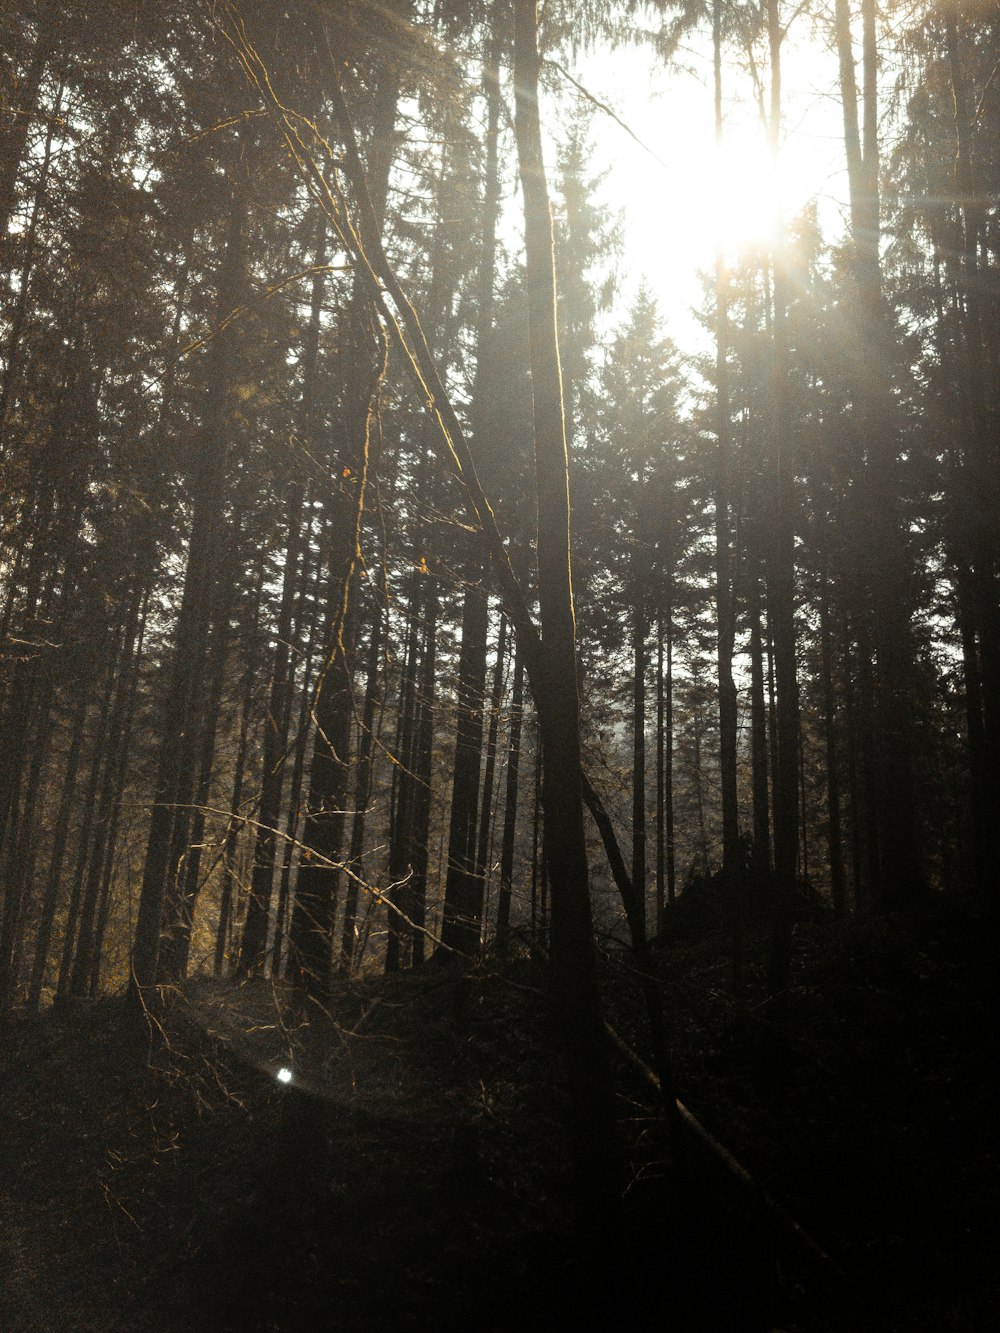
(196,1194)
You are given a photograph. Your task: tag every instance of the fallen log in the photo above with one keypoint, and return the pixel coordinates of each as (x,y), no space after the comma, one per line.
(735,1169)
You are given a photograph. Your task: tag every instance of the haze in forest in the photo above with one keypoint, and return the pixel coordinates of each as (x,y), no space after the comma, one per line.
(499,661)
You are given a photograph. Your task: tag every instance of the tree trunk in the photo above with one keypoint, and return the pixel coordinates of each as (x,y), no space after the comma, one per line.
(423,772)
(975,732)
(311,932)
(884,556)
(781,579)
(639,738)
(536,845)
(661,774)
(182,895)
(486,812)
(290,849)
(761,859)
(668,799)
(18,319)
(108,773)
(223,931)
(313,917)
(185,672)
(362,795)
(510,804)
(404,778)
(979,464)
(52,882)
(832,770)
(255,927)
(725,599)
(463,905)
(574,978)
(14,141)
(21,867)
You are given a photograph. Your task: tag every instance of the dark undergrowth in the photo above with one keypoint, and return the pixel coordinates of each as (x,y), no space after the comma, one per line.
(414,1173)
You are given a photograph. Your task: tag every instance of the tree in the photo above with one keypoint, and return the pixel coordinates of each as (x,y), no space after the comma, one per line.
(574,980)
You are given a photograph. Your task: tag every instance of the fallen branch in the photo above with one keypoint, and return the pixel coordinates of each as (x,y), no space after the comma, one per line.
(734,1168)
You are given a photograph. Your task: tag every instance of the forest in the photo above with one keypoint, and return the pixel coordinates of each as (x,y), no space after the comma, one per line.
(499,762)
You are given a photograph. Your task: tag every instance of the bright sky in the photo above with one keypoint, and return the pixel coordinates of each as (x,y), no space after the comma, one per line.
(672,213)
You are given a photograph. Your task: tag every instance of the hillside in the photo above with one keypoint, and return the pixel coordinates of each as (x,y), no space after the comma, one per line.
(178,1197)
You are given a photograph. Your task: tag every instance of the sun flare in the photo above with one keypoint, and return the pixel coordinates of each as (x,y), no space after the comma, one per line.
(740,195)
(681,196)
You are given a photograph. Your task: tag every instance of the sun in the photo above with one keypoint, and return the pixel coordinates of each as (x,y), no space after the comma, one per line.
(741,195)
(680,196)
(692,199)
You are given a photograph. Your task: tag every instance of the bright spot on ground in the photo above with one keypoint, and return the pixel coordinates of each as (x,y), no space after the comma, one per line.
(284,1075)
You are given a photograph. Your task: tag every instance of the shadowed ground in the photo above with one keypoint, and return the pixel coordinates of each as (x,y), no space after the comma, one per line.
(182,1197)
